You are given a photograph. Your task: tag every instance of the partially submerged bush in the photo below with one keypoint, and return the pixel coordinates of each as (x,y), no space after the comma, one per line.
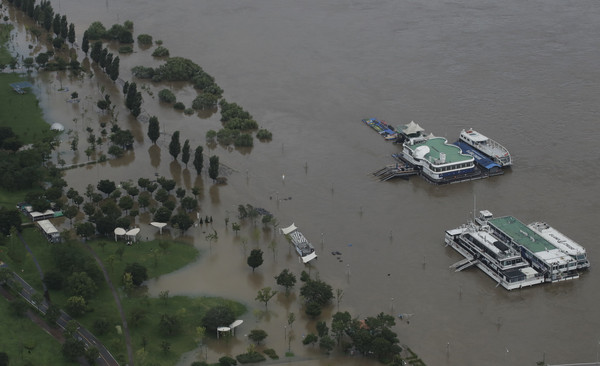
(160,51)
(145,39)
(167,96)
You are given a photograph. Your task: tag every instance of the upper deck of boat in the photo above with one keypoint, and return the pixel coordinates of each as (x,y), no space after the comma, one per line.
(491,147)
(521,234)
(438,146)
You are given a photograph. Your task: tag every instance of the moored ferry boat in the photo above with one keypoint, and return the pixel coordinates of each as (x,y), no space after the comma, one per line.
(487,146)
(303,247)
(437,159)
(516,255)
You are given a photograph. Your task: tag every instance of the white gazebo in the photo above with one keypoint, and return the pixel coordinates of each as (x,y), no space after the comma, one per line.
(119,231)
(235,324)
(159,225)
(412,128)
(222,329)
(132,234)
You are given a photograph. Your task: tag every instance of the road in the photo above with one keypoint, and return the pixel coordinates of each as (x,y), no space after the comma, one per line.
(84,335)
(89,340)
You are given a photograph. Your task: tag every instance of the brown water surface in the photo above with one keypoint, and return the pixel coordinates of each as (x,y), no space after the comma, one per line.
(523,73)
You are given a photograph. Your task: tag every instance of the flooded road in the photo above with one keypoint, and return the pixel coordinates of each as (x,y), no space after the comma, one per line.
(524,74)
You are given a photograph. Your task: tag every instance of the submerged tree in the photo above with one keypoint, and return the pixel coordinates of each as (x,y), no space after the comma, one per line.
(286,279)
(255,259)
(213,167)
(257,335)
(85,43)
(185,152)
(175,145)
(198,159)
(264,295)
(153,129)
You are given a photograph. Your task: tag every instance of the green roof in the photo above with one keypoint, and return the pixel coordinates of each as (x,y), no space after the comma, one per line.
(521,234)
(439,145)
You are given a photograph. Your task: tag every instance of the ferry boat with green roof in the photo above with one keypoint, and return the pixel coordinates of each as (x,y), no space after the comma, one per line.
(516,255)
(438,160)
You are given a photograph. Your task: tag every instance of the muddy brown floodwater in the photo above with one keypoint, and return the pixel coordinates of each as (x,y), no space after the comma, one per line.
(523,73)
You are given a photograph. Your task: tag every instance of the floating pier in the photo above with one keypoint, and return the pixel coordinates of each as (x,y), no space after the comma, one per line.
(395,171)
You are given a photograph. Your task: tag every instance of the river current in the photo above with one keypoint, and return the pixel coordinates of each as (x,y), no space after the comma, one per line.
(524,73)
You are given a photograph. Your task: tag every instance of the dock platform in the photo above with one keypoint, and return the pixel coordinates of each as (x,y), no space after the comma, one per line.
(395,171)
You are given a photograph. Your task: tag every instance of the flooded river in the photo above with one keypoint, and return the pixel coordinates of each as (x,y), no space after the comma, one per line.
(523,73)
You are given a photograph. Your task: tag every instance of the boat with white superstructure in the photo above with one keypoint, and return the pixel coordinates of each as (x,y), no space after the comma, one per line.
(438,160)
(487,146)
(516,255)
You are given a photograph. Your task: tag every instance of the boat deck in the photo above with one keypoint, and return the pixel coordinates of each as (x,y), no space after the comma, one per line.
(521,234)
(439,146)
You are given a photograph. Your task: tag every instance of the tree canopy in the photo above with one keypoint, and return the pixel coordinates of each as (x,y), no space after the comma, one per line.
(199,159)
(217,316)
(286,279)
(213,167)
(139,273)
(153,129)
(255,259)
(175,145)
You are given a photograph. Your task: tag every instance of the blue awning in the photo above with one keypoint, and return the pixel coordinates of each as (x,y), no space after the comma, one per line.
(480,159)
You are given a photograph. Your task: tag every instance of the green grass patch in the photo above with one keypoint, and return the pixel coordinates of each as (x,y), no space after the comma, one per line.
(27,343)
(21,112)
(159,258)
(10,199)
(150,254)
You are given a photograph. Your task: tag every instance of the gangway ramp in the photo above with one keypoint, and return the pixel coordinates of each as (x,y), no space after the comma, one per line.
(394,171)
(464,264)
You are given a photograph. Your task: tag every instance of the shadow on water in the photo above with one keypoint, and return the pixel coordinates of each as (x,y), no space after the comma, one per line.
(125,160)
(187,178)
(175,169)
(213,192)
(256,280)
(154,153)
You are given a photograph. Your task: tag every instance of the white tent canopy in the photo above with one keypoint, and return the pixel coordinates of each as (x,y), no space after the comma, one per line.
(119,231)
(235,324)
(412,128)
(289,229)
(132,234)
(222,329)
(159,225)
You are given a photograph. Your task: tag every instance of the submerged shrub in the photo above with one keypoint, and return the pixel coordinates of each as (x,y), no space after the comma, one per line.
(160,51)
(167,96)
(145,39)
